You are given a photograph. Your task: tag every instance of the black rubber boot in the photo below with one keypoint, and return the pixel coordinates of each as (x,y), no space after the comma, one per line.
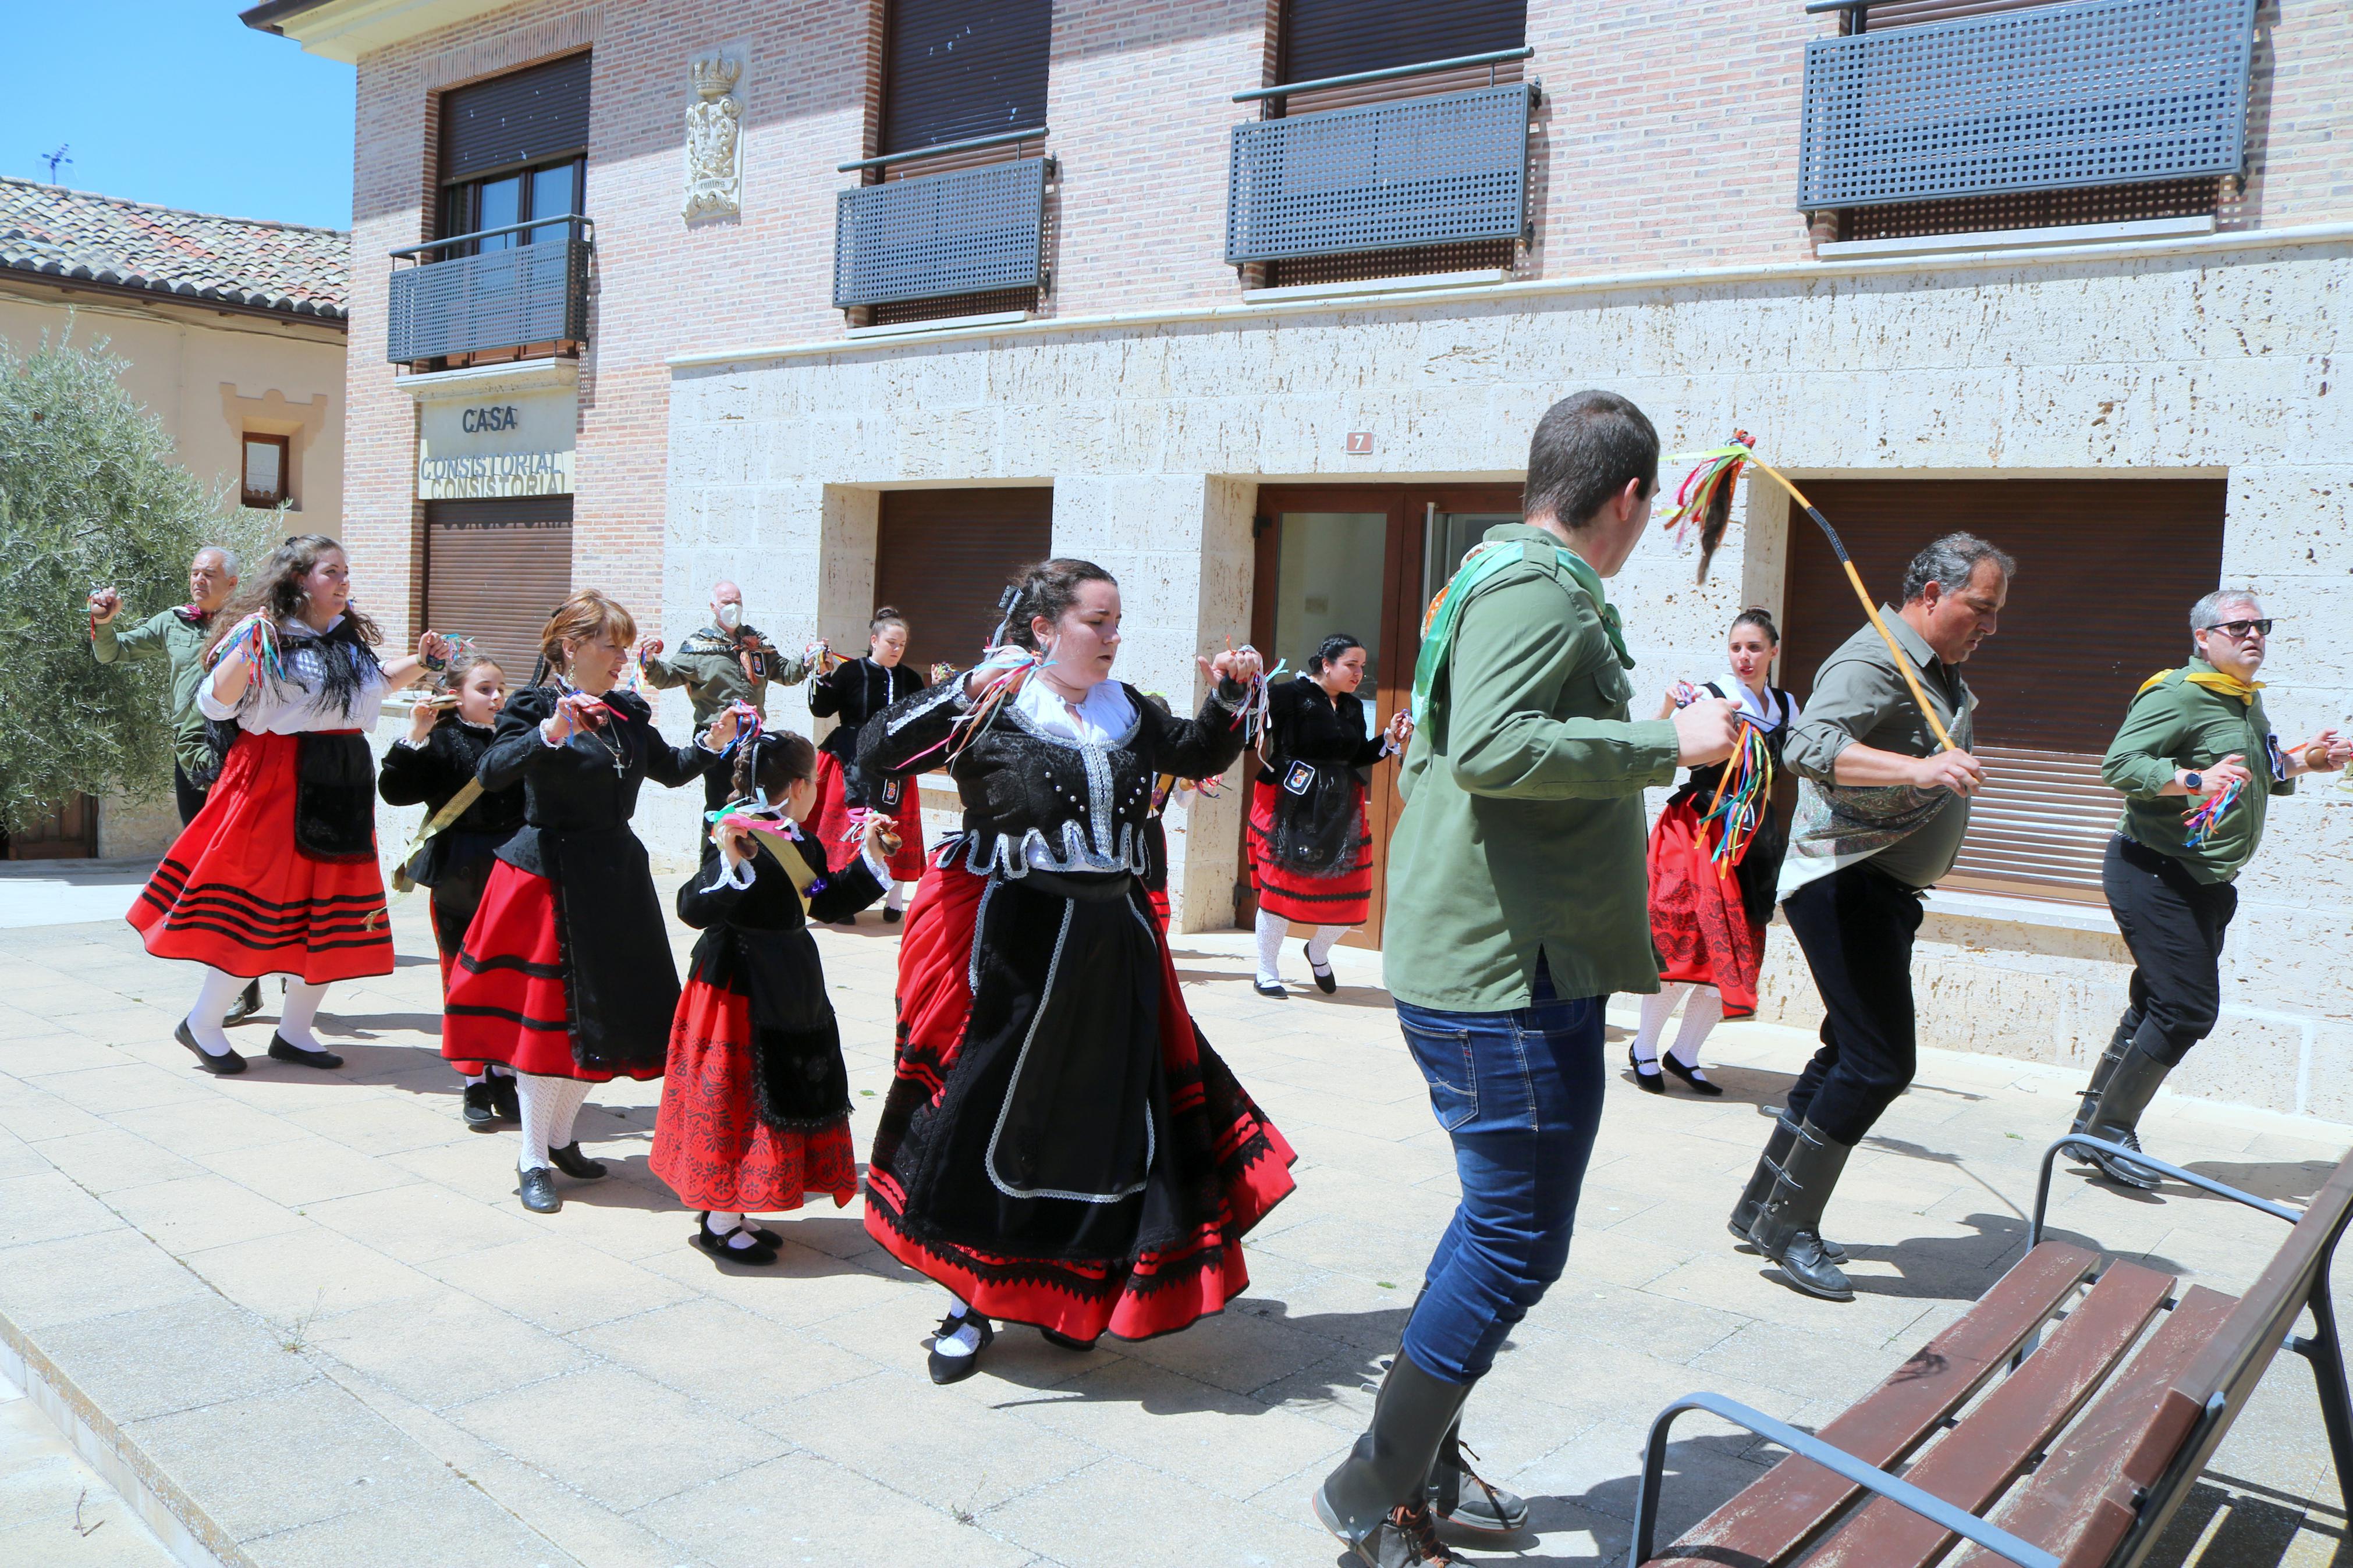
(1481,1505)
(1376,1502)
(2118,1043)
(1788,1229)
(2130,1086)
(1760,1187)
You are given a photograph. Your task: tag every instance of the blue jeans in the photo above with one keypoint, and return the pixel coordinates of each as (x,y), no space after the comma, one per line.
(1520,1094)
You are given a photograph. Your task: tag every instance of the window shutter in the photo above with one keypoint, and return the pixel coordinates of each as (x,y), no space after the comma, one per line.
(1338,38)
(2106,572)
(494,572)
(527,117)
(943,557)
(961,68)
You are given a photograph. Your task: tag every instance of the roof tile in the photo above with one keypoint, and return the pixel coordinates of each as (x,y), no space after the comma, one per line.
(281,267)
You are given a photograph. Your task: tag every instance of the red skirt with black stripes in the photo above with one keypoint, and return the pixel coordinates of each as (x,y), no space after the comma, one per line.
(507,1000)
(236,892)
(1345,899)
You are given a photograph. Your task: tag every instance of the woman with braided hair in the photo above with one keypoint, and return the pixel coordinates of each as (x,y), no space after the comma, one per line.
(278,874)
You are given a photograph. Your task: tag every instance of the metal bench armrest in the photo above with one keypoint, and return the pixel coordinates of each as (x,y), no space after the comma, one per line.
(2189,1178)
(1836,1461)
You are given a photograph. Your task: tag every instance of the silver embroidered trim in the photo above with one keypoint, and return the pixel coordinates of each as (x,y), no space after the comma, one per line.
(979,935)
(1010,857)
(1099,806)
(946,690)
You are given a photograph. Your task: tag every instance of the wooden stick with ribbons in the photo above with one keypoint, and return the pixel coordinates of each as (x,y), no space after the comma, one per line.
(1705,497)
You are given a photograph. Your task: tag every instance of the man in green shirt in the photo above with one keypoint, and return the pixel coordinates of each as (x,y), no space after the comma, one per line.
(725,662)
(2196,764)
(1881,809)
(1516,901)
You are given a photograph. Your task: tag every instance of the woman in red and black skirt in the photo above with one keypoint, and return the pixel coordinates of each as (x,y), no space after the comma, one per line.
(566,974)
(755,1106)
(1059,1146)
(1311,838)
(1709,925)
(278,874)
(853,692)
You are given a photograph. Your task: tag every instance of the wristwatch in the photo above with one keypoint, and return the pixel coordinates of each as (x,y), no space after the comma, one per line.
(2193,781)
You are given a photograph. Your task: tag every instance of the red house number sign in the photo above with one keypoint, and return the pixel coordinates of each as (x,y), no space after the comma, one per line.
(1360,443)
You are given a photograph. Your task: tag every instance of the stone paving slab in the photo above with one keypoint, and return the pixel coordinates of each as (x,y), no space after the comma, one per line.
(310,1314)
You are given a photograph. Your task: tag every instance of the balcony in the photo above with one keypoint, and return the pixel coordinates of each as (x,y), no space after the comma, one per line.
(2049,98)
(449,304)
(966,233)
(1448,170)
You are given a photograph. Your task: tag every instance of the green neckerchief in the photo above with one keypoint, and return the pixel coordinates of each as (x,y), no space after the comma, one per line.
(1484,562)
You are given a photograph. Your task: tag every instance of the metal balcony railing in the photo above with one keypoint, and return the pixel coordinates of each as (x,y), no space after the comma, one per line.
(2049,98)
(491,299)
(1380,176)
(969,231)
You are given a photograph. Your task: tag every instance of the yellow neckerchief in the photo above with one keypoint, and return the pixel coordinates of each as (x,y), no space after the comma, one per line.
(2212,680)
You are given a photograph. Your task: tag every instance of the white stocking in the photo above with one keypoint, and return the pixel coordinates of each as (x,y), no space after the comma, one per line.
(966,1341)
(1656,1010)
(896,899)
(549,1105)
(1319,946)
(1272,930)
(1702,1013)
(217,990)
(297,1013)
(574,1094)
(719,1223)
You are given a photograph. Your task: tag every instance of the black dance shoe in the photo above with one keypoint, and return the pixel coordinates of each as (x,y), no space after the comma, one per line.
(285,1050)
(1325,980)
(1065,1342)
(503,1098)
(1691,1076)
(892,917)
(575,1165)
(248,1002)
(538,1188)
(1269,988)
(227,1064)
(1651,1082)
(475,1107)
(947,1369)
(759,1254)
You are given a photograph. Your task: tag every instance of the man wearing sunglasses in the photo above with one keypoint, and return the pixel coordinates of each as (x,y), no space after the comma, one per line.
(2198,764)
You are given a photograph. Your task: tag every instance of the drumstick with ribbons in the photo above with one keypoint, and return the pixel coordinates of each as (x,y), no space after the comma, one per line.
(1705,497)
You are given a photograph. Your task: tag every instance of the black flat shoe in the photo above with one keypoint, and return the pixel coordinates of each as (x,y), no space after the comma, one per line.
(947,1369)
(892,917)
(758,1256)
(475,1107)
(1325,980)
(575,1165)
(248,1002)
(1691,1076)
(227,1066)
(285,1050)
(764,1234)
(537,1187)
(1652,1082)
(1269,988)
(1065,1342)
(504,1098)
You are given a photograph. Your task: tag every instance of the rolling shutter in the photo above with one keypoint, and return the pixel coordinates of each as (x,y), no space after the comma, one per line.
(2107,570)
(943,557)
(494,572)
(961,68)
(528,117)
(1338,38)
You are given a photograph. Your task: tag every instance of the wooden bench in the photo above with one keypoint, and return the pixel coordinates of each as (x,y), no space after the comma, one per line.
(2109,1447)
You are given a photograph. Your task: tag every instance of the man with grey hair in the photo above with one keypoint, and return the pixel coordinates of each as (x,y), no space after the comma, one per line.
(179,634)
(727,661)
(2196,764)
(1881,813)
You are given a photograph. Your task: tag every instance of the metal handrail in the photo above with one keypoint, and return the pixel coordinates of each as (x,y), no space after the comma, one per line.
(1388,73)
(971,143)
(573,220)
(1814,7)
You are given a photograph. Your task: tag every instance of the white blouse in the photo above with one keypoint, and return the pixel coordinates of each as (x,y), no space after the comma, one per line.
(295,707)
(1105,718)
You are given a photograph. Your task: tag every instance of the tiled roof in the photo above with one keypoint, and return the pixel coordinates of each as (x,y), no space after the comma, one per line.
(68,233)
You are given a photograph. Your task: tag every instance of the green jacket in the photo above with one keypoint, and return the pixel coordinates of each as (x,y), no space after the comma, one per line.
(181,640)
(710,668)
(2175,722)
(1522,829)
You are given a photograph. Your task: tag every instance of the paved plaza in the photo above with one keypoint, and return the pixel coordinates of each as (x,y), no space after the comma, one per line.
(304,1315)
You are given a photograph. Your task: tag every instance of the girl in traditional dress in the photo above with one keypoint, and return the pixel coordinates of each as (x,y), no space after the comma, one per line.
(1059,1146)
(278,874)
(566,974)
(755,1106)
(854,691)
(1311,838)
(433,764)
(1708,925)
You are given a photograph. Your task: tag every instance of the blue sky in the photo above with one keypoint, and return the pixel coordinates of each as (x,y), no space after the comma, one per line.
(176,101)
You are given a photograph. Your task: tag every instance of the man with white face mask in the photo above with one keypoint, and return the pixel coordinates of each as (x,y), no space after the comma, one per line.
(726,662)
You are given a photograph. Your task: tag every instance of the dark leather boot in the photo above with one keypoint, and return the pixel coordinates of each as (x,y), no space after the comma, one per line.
(1375,1502)
(1760,1187)
(575,1165)
(2118,1043)
(2117,1117)
(1481,1505)
(1789,1229)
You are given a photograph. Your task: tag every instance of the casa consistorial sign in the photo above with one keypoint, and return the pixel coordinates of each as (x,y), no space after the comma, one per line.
(488,441)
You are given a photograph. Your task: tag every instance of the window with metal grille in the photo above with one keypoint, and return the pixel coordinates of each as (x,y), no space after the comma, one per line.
(942,557)
(2082,630)
(955,69)
(1322,38)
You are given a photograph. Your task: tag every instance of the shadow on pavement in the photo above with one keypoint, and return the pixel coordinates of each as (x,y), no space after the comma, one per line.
(2283,1181)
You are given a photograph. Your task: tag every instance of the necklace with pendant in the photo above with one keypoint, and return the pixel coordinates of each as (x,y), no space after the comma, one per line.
(613,745)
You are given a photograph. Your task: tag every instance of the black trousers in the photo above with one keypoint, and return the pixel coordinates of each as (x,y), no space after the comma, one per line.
(190,794)
(2174,924)
(1856,927)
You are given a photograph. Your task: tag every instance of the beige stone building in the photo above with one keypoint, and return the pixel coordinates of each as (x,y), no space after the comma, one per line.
(233,330)
(1256,301)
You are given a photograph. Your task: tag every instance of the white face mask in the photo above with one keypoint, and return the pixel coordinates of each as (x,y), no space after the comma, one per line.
(730,615)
